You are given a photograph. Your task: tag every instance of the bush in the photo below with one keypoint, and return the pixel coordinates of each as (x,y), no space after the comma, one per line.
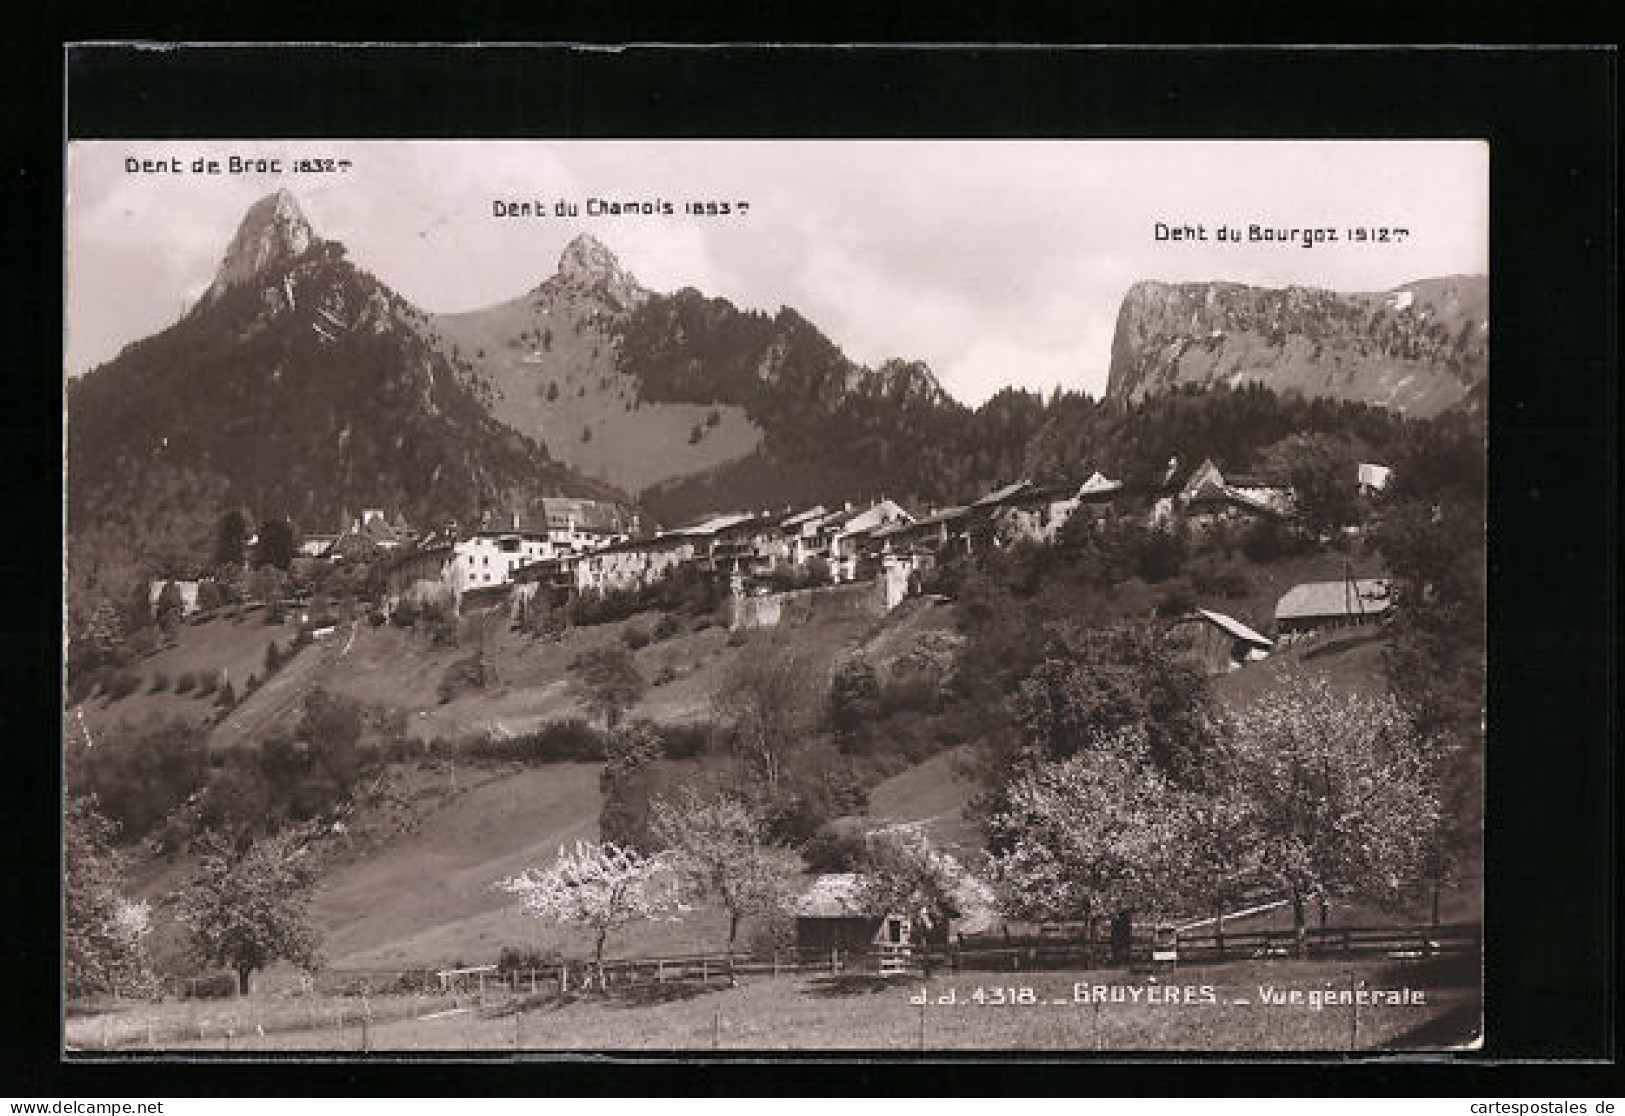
(667,626)
(215,986)
(1176,598)
(636,636)
(461,676)
(664,675)
(829,850)
(1161,554)
(1221,579)
(207,682)
(738,637)
(567,741)
(701,623)
(685,741)
(185,683)
(522,959)
(854,694)
(909,693)
(160,683)
(122,684)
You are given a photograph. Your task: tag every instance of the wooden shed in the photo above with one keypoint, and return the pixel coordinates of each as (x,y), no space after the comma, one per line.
(1220,643)
(830,915)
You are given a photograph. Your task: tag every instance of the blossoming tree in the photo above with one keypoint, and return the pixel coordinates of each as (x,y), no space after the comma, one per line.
(602,887)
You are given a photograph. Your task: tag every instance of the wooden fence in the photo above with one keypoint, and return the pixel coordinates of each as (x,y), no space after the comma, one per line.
(1399,942)
(990,953)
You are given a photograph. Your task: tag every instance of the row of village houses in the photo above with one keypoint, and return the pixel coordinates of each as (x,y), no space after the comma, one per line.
(583,545)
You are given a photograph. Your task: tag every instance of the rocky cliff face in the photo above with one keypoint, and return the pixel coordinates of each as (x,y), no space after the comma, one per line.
(272,234)
(1417,349)
(587,266)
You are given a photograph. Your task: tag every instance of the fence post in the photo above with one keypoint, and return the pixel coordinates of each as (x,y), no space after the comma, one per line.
(832,959)
(1354,1019)
(660,972)
(775,962)
(564,980)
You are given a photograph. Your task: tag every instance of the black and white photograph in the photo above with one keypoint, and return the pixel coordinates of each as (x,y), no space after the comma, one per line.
(1018,595)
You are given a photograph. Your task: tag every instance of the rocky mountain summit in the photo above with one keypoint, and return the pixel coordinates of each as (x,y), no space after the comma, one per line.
(587,265)
(272,234)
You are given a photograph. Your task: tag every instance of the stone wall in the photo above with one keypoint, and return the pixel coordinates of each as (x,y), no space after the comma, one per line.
(863,598)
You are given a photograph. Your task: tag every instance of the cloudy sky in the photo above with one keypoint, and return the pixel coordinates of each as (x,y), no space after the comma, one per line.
(995,262)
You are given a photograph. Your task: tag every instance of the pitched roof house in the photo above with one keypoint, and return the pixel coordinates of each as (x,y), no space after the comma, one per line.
(1331,604)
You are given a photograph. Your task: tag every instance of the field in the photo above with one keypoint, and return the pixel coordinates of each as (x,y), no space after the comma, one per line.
(855,1012)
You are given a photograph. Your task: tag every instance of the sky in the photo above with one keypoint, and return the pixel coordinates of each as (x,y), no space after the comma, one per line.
(995,262)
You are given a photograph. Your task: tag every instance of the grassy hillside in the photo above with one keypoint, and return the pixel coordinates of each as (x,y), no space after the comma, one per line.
(231,645)
(932,795)
(564,387)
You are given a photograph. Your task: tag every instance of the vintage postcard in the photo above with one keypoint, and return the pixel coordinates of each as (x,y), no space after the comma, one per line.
(774,596)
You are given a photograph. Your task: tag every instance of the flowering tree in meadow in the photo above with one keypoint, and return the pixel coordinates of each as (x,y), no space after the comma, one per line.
(602,887)
(1342,795)
(718,847)
(1095,834)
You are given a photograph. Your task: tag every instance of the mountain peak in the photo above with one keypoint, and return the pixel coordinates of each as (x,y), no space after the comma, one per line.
(272,232)
(587,262)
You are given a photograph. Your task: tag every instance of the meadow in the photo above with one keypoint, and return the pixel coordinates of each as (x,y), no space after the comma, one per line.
(854,1012)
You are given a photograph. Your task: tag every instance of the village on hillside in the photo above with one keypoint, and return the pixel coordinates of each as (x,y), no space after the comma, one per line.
(580,547)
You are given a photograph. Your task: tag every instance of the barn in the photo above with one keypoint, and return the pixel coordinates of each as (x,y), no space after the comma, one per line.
(1321,605)
(1220,643)
(830,915)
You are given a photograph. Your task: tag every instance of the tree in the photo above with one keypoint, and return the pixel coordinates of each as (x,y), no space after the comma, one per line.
(170,607)
(1089,836)
(1093,683)
(102,932)
(854,695)
(231,539)
(763,702)
(1223,857)
(627,784)
(103,639)
(602,887)
(608,682)
(1340,792)
(718,846)
(902,872)
(248,907)
(331,726)
(140,774)
(1321,470)
(275,547)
